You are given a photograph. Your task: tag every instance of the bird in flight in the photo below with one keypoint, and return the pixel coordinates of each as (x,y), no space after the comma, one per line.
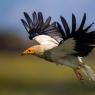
(52,36)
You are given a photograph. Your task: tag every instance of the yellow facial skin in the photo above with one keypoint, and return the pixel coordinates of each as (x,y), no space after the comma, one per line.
(28,51)
(34,50)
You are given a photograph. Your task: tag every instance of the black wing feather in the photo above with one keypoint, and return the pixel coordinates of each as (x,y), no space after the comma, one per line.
(40,18)
(73,23)
(65,24)
(83,22)
(25,25)
(29,21)
(47,22)
(85,40)
(37,26)
(61,30)
(87,28)
(35,20)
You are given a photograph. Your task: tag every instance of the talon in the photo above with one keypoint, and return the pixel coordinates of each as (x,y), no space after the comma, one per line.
(78,74)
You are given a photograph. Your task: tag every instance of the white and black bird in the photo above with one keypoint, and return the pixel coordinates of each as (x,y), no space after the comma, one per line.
(51,36)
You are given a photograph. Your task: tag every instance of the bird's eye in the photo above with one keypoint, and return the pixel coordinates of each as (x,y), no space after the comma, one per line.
(29,50)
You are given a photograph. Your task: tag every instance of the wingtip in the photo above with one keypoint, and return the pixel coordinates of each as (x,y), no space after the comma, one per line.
(93,23)
(61,17)
(54,23)
(34,13)
(73,15)
(24,13)
(40,17)
(22,20)
(57,23)
(84,14)
(39,13)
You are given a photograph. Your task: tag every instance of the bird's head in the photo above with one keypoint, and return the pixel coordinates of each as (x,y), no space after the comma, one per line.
(34,50)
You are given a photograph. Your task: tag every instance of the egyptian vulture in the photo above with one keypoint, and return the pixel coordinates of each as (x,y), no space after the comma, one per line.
(54,35)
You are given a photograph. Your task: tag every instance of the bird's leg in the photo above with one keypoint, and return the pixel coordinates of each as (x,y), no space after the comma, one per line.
(77,70)
(78,74)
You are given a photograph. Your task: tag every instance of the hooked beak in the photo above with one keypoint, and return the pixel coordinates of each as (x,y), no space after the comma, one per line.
(24,53)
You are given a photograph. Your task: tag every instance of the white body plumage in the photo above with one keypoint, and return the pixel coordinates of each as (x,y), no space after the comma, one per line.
(47,41)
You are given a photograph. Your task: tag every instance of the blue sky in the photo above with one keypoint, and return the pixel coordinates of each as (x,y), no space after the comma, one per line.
(11,10)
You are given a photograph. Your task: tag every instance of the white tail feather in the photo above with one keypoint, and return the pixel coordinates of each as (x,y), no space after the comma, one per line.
(88,72)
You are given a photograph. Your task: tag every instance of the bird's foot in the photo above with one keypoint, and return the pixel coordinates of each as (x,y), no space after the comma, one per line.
(78,74)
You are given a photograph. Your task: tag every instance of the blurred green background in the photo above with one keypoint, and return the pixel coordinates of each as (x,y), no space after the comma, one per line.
(30,75)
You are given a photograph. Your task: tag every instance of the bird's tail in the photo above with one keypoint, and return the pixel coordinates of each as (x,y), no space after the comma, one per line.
(88,72)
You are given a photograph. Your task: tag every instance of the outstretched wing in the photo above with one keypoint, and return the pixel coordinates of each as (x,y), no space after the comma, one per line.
(37,26)
(85,40)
